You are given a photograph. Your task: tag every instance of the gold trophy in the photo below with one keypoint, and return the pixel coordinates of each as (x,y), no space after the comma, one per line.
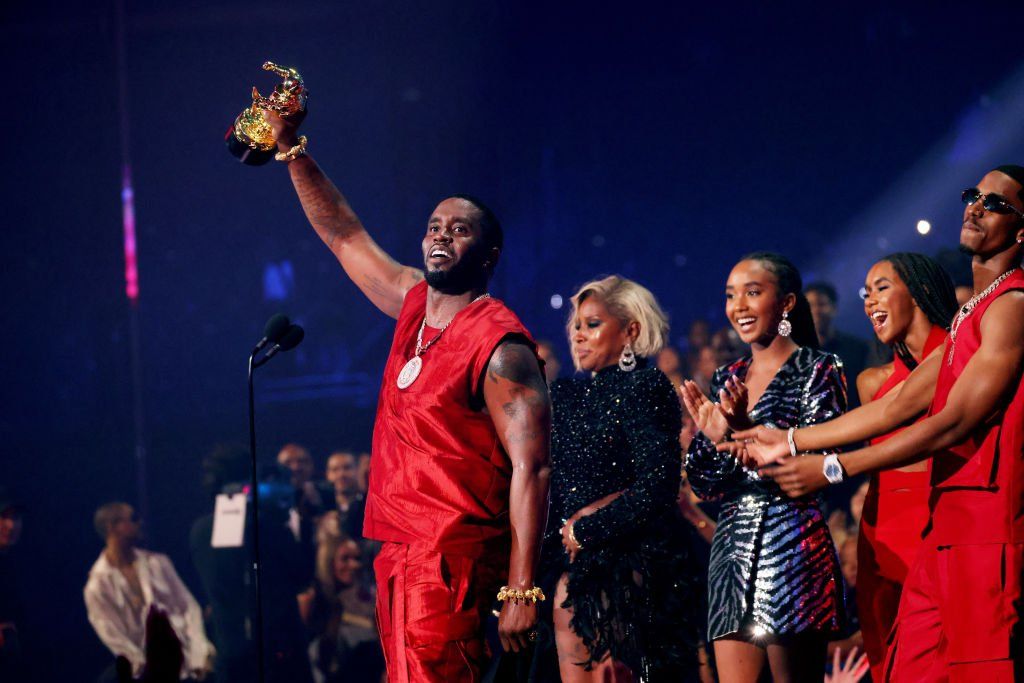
(251,138)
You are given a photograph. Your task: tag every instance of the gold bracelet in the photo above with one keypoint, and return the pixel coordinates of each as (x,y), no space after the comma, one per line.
(572,536)
(533,595)
(295,152)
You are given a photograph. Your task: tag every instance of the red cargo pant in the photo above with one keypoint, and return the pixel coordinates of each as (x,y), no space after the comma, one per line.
(431,611)
(959,616)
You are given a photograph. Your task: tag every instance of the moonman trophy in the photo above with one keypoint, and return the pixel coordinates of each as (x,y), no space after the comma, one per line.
(251,138)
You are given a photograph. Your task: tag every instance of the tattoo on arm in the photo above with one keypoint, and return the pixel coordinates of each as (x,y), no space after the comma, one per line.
(526,403)
(325,206)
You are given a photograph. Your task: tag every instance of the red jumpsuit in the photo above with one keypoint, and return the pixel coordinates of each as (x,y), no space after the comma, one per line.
(959,616)
(894,518)
(439,495)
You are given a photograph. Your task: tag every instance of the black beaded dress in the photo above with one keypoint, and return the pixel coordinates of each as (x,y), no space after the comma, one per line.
(633,589)
(773,568)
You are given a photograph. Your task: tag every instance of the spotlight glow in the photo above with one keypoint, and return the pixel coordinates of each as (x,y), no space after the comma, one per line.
(924,227)
(556,301)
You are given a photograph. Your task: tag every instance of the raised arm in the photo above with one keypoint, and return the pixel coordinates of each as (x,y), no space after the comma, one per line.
(516,396)
(383,280)
(988,380)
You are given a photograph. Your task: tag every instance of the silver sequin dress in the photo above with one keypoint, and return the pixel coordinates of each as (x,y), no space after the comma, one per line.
(773,568)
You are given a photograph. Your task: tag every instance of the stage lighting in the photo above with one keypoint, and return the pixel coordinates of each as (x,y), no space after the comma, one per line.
(924,227)
(556,301)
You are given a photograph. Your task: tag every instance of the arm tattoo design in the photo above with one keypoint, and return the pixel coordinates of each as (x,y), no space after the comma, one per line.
(515,363)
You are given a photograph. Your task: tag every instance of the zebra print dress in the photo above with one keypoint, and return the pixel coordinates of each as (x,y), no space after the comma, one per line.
(773,569)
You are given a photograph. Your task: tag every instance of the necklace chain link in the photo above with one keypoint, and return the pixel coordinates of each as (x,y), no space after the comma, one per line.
(969,307)
(420,346)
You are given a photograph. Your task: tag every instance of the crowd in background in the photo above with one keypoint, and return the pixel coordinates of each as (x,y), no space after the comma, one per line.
(317,583)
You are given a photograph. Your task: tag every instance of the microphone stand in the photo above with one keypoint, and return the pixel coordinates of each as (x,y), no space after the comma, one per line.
(255,488)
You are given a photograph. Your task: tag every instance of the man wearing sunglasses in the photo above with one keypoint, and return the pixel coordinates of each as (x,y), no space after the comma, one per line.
(960,611)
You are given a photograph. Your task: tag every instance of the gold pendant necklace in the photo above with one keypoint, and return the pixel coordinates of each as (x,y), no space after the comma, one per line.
(411,370)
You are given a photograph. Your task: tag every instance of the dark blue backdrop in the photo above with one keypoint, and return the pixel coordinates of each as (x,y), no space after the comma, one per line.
(660,142)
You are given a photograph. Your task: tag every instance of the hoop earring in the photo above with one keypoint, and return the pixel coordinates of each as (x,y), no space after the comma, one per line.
(785,327)
(627,361)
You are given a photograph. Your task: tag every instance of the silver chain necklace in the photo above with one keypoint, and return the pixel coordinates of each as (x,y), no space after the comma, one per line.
(969,307)
(411,370)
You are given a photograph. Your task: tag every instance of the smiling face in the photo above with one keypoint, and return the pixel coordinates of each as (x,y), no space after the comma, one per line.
(987,233)
(754,304)
(888,303)
(597,336)
(346,563)
(454,253)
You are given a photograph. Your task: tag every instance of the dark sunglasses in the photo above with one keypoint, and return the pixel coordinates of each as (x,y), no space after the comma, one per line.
(992,202)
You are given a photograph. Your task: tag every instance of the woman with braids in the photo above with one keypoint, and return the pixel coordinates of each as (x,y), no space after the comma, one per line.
(775,588)
(910,301)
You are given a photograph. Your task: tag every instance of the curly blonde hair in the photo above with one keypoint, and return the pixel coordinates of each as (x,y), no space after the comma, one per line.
(629,302)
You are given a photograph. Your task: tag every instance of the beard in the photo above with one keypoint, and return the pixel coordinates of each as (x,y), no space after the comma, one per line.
(468,273)
(964,249)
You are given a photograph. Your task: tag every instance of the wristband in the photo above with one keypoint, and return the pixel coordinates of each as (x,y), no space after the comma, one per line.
(791,441)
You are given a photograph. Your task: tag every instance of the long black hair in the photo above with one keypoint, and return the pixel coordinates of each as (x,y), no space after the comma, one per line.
(930,287)
(790,282)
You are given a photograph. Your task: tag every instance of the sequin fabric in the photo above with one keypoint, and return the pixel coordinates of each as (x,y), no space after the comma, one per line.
(634,590)
(773,568)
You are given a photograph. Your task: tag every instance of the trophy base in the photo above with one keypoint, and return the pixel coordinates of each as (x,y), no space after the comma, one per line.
(244,153)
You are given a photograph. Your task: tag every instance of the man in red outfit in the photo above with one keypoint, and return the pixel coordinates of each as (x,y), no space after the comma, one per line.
(960,613)
(459,476)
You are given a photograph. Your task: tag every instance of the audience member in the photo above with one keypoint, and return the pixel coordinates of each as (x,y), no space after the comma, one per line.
(227,577)
(13,611)
(552,366)
(343,475)
(126,581)
(338,610)
(853,351)
(704,368)
(669,362)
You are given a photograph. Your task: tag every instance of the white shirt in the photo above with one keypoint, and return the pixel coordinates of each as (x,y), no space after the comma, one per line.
(122,628)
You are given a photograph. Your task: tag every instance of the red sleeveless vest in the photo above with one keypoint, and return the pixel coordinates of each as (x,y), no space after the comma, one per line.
(439,477)
(979,483)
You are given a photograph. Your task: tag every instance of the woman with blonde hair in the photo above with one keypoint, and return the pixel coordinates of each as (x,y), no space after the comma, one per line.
(626,601)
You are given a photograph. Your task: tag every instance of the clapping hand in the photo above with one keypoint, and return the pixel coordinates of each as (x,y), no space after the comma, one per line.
(709,419)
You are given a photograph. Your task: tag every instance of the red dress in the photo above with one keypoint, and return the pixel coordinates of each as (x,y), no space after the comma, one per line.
(894,518)
(439,495)
(959,607)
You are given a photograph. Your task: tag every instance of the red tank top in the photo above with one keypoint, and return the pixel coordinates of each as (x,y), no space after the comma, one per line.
(900,371)
(980,482)
(439,477)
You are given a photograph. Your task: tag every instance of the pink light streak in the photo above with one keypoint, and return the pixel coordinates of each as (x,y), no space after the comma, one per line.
(131,271)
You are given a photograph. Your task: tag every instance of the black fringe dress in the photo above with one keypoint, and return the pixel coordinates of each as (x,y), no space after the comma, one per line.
(634,588)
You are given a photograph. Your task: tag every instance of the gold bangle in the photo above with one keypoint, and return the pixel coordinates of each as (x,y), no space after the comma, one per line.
(295,152)
(533,595)
(572,536)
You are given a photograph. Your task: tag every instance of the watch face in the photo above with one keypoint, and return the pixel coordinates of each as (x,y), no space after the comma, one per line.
(833,471)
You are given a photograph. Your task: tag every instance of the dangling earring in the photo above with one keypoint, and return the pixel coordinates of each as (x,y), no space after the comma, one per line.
(627,361)
(785,327)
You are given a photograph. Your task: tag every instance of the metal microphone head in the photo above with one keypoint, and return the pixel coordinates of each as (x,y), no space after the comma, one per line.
(292,338)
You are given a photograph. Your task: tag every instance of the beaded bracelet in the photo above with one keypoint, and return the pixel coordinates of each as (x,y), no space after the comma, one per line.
(532,595)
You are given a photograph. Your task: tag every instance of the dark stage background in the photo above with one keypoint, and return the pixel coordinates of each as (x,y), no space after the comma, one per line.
(659,142)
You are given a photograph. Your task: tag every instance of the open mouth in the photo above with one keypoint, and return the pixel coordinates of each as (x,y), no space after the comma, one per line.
(878,319)
(440,255)
(746,324)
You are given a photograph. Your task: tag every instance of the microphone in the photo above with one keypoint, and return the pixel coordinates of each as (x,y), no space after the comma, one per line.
(292,337)
(273,331)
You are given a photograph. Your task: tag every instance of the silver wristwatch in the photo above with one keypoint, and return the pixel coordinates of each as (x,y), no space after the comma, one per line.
(832,470)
